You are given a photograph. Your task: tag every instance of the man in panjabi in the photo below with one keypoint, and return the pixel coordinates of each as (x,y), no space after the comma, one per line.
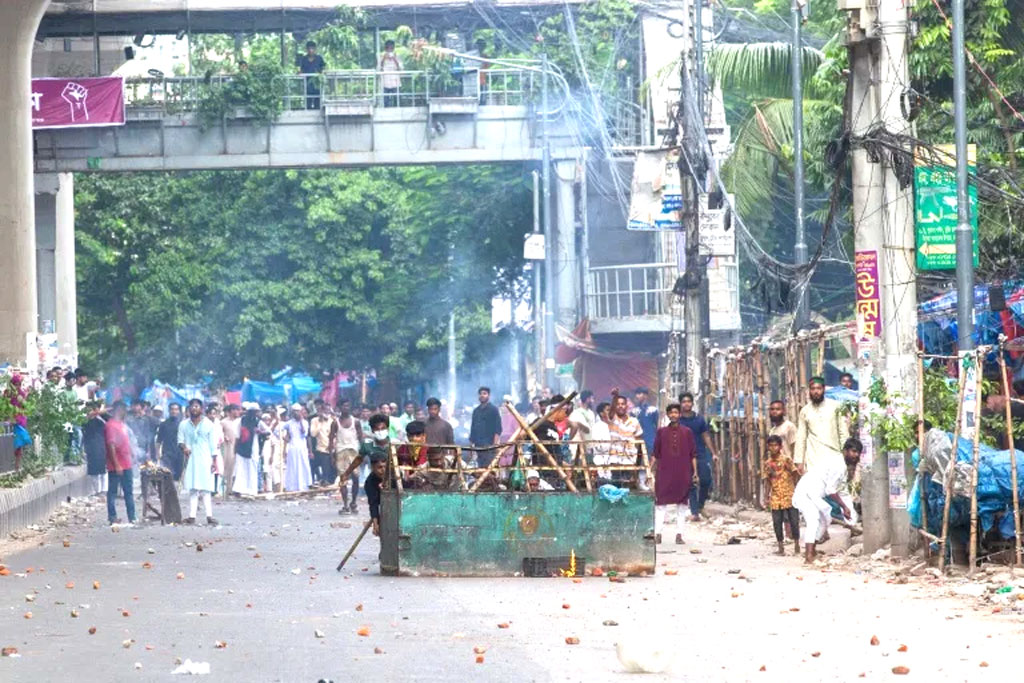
(821,430)
(819,485)
(782,427)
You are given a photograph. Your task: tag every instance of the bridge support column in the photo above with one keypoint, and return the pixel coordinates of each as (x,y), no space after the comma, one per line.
(18,24)
(55,260)
(567,310)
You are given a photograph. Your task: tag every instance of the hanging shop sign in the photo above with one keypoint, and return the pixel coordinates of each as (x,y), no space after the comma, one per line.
(935,207)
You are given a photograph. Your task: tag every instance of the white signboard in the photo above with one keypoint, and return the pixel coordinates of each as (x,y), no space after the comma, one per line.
(533,247)
(715,239)
(724,294)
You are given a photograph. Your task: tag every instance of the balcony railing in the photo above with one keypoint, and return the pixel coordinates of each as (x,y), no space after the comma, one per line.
(630,291)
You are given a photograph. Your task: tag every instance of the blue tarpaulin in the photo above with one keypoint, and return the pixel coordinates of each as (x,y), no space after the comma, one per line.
(937,328)
(995,492)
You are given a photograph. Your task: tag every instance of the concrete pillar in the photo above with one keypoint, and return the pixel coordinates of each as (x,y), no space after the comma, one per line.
(45,206)
(66,289)
(567,289)
(18,24)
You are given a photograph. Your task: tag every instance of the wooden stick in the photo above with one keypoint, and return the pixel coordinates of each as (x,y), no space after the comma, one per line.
(458,466)
(947,485)
(974,466)
(533,437)
(820,367)
(753,442)
(519,435)
(359,539)
(1013,456)
(393,458)
(581,453)
(920,451)
(646,463)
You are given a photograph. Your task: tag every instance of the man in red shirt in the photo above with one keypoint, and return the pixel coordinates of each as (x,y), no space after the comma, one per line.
(119,463)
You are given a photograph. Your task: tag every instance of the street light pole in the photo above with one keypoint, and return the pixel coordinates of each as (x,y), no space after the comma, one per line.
(801,313)
(549,256)
(964,236)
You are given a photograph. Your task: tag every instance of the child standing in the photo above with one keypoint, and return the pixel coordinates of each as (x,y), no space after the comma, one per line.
(779,475)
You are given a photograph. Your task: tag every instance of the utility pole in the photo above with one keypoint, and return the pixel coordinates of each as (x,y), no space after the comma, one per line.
(549,242)
(883,236)
(964,236)
(801,314)
(538,305)
(691,170)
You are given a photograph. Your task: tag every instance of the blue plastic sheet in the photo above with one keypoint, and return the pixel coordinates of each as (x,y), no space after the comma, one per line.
(611,493)
(995,492)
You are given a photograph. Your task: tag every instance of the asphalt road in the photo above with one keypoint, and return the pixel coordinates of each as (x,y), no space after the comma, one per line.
(264,585)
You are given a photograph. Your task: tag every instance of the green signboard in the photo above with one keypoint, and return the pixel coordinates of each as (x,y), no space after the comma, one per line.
(935,215)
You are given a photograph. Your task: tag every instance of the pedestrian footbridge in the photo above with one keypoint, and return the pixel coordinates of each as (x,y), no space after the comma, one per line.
(334,119)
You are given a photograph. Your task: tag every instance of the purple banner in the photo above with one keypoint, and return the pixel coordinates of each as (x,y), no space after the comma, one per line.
(73,102)
(868,309)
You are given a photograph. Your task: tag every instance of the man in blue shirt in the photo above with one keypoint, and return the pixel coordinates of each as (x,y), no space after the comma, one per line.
(310,65)
(705,454)
(647,415)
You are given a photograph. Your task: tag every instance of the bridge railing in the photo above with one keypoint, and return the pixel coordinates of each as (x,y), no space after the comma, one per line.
(497,87)
(630,291)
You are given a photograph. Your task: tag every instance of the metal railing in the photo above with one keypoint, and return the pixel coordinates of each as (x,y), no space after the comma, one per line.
(492,87)
(630,291)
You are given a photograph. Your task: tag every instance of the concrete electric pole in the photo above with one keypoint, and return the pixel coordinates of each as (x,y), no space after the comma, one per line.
(885,268)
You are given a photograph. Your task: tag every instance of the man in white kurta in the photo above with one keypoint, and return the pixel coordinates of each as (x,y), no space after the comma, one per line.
(818,483)
(198,441)
(821,430)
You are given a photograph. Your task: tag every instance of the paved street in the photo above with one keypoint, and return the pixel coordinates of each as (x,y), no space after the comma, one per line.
(264,585)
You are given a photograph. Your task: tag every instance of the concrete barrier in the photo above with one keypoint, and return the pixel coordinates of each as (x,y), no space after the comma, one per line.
(35,500)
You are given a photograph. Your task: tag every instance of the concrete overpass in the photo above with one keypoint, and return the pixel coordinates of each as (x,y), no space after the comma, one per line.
(71,18)
(350,128)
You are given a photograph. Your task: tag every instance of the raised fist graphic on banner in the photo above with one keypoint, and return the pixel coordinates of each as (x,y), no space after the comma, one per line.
(75,95)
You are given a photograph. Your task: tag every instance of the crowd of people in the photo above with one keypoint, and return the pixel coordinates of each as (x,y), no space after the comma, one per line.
(811,468)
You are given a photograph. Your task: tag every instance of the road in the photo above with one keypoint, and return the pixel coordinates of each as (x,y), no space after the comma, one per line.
(264,585)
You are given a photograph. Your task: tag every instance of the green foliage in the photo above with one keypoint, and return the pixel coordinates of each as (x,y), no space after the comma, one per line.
(257,91)
(239,273)
(51,413)
(762,69)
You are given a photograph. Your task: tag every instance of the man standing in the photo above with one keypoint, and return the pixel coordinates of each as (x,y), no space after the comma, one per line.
(782,427)
(584,418)
(94,442)
(350,436)
(141,431)
(231,424)
(675,466)
(485,427)
(323,430)
(439,431)
(626,429)
(198,441)
(820,431)
(390,81)
(646,415)
(170,454)
(408,415)
(311,65)
(706,455)
(119,463)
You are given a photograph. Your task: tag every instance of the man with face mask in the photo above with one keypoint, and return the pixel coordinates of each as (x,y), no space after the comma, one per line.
(379,447)
(820,431)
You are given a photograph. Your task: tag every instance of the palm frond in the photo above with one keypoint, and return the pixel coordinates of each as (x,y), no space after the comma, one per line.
(760,69)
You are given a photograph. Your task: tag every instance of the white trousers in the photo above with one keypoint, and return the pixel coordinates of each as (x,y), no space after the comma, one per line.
(193,503)
(659,517)
(816,513)
(99,483)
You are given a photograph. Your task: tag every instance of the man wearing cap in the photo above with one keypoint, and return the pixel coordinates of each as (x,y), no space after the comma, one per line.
(534,483)
(198,441)
(820,431)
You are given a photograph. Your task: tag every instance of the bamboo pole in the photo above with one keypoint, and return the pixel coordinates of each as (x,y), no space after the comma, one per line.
(519,435)
(820,369)
(458,466)
(974,465)
(393,459)
(947,485)
(1013,456)
(801,360)
(581,453)
(540,446)
(920,451)
(646,462)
